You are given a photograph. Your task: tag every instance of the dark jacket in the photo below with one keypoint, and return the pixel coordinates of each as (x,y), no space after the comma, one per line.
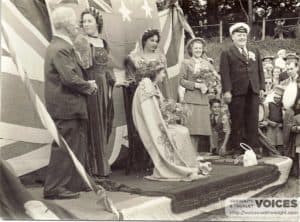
(65,88)
(237,72)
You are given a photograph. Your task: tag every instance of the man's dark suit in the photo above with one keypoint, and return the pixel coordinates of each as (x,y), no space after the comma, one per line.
(65,95)
(244,78)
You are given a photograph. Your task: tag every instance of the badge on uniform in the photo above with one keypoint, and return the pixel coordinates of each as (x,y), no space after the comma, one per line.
(252,56)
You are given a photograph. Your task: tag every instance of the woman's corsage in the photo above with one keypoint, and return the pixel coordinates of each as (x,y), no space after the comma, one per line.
(252,56)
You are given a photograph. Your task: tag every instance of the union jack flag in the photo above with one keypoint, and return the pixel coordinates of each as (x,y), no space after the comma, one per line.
(24,141)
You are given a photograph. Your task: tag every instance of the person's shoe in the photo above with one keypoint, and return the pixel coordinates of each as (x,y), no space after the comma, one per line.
(66,194)
(258,153)
(227,153)
(237,153)
(214,151)
(258,156)
(87,189)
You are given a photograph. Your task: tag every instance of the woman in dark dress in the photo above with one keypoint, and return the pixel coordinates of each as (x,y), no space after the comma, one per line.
(94,58)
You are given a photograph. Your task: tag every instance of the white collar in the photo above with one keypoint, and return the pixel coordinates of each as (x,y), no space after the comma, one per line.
(240,48)
(64,37)
(197,60)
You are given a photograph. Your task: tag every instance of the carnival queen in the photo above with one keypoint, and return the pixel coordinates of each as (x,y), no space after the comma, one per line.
(168,144)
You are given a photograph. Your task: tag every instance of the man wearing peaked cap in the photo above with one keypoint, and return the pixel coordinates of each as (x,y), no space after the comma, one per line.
(268,59)
(243,82)
(292,57)
(239,27)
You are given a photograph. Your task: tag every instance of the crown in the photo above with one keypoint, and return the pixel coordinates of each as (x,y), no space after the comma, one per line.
(95,12)
(150,30)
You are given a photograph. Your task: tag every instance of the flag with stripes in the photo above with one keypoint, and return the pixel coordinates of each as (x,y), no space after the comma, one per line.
(24,141)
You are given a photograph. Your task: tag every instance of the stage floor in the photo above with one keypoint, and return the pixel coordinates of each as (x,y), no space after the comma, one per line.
(138,207)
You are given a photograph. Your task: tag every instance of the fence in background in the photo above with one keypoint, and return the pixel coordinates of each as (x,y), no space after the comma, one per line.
(260,29)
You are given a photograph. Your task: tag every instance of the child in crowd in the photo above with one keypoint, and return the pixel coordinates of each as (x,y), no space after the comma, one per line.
(268,70)
(274,117)
(268,84)
(220,128)
(268,59)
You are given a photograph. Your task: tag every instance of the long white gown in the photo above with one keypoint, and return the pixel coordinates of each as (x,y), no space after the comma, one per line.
(169,146)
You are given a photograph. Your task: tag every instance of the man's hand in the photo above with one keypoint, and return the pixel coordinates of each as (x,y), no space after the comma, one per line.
(93,86)
(261,94)
(222,150)
(227,97)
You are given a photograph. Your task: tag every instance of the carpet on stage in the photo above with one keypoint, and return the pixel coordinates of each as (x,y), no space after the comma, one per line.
(225,181)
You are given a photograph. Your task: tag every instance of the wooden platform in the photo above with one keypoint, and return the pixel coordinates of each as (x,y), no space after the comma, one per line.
(137,207)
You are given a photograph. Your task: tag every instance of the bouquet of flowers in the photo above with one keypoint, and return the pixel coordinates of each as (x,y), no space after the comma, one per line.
(210,79)
(173,112)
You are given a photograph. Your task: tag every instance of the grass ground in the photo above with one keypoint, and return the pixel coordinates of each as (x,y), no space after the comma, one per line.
(269,46)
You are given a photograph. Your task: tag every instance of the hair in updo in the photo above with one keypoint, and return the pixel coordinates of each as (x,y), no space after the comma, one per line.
(148,34)
(96,14)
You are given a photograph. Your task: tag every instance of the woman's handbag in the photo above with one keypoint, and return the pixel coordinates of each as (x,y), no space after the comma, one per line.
(249,157)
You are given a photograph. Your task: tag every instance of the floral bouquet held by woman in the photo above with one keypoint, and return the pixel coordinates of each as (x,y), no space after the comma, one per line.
(209,79)
(173,113)
(177,113)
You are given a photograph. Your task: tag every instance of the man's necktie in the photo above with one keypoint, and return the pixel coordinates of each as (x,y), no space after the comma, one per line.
(244,53)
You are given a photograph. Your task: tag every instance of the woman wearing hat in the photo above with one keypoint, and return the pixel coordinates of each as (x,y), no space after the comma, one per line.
(194,72)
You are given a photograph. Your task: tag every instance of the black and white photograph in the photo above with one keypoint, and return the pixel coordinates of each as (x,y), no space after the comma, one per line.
(150,110)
